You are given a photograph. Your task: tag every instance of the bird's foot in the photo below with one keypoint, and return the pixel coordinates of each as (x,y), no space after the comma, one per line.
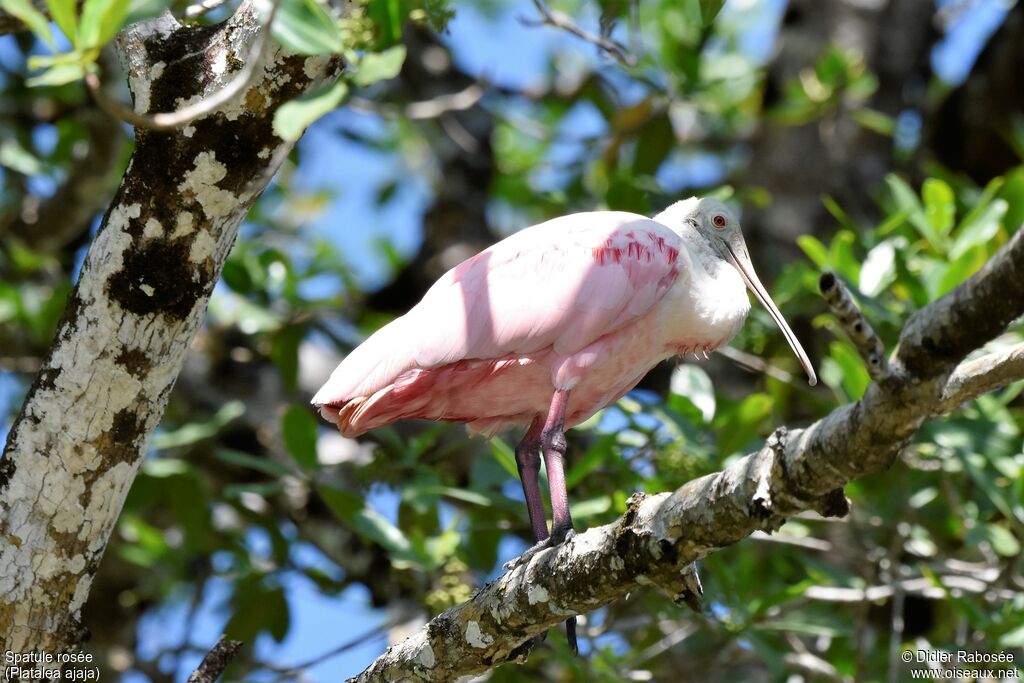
(570,635)
(550,542)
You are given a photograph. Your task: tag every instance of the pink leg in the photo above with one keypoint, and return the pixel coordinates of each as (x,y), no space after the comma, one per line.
(553,442)
(554,445)
(528,460)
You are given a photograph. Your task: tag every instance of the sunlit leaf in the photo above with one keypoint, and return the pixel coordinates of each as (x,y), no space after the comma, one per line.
(198,431)
(379,66)
(292,118)
(299,428)
(303,26)
(31,17)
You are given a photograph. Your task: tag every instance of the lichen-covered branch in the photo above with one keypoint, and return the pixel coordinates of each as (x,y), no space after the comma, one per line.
(75,448)
(659,536)
(975,377)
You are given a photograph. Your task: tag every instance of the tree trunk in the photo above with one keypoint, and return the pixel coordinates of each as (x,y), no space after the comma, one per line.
(77,444)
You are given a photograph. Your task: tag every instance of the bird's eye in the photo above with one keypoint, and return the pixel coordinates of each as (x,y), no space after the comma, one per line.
(718,220)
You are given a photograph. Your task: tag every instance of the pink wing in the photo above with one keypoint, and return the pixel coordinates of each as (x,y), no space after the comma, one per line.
(561,284)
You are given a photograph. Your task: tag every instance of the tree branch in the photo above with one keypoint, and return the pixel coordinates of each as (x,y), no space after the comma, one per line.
(215,661)
(975,377)
(939,336)
(856,326)
(661,535)
(564,22)
(76,446)
(209,103)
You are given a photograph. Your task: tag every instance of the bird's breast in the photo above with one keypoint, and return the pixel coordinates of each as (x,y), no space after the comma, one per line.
(703,310)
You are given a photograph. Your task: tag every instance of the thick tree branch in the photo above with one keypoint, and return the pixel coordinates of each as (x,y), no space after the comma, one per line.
(661,535)
(215,661)
(939,336)
(76,446)
(975,377)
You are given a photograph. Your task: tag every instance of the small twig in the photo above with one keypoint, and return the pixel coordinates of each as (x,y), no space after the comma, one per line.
(425,109)
(202,7)
(215,661)
(564,22)
(975,377)
(182,117)
(752,362)
(920,587)
(868,344)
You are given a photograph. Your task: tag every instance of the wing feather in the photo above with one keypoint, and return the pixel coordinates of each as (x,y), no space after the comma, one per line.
(562,284)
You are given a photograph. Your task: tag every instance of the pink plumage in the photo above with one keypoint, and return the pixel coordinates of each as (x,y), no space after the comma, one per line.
(493,338)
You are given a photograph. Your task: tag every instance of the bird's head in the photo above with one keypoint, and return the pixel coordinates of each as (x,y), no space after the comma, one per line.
(719,227)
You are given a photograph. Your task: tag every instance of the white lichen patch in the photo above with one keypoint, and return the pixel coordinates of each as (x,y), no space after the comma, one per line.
(425,656)
(185,225)
(202,247)
(202,181)
(219,63)
(157,70)
(535,594)
(314,67)
(188,131)
(147,289)
(152,229)
(477,638)
(263,153)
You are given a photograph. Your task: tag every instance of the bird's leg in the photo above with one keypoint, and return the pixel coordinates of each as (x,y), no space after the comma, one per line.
(554,444)
(549,438)
(528,461)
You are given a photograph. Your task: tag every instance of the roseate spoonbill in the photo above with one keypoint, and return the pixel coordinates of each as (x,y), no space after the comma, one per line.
(550,325)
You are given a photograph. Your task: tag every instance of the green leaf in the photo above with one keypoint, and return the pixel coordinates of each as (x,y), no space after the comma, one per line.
(198,431)
(252,462)
(695,384)
(875,121)
(65,14)
(344,504)
(590,508)
(907,202)
(375,527)
(100,21)
(709,9)
(379,66)
(814,249)
(598,454)
(299,430)
(979,227)
(505,456)
(31,17)
(416,491)
(303,26)
(939,205)
(855,378)
(60,74)
(879,269)
(1002,540)
(17,158)
(161,468)
(293,117)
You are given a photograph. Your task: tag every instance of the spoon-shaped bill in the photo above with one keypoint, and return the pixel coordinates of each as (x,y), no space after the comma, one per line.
(742,264)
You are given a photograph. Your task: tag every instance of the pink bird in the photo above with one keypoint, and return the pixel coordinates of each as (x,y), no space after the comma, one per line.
(550,325)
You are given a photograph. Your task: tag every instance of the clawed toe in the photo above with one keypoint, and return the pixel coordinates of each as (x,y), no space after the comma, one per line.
(550,542)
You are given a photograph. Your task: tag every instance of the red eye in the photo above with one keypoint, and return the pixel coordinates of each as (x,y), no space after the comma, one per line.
(718,220)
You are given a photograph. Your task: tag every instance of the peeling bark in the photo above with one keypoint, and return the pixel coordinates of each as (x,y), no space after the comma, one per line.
(660,536)
(76,446)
